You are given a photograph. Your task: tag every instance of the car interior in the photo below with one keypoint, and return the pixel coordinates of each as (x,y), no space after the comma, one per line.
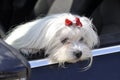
(105,15)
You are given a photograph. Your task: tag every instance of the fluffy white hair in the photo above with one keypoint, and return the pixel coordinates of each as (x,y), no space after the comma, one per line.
(50,31)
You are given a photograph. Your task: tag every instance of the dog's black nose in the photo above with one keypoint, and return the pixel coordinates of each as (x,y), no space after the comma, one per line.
(78,54)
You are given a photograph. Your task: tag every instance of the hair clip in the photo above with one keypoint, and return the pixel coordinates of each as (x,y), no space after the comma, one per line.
(70,23)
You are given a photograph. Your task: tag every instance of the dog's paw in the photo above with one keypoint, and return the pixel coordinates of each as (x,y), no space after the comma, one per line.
(31,53)
(28,51)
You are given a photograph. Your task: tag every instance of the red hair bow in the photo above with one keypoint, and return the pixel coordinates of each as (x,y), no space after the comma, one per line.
(70,23)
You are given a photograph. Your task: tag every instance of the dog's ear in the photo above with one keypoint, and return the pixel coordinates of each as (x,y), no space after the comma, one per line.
(91,37)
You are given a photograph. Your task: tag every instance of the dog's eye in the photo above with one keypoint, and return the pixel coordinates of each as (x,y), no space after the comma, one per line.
(81,39)
(64,40)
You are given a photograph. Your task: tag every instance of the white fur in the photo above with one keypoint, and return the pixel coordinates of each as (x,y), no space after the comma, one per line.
(49,31)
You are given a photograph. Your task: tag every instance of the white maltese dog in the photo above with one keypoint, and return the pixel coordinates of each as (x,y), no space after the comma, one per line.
(65,38)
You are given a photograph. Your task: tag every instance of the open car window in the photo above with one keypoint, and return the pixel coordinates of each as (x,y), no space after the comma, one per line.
(105,15)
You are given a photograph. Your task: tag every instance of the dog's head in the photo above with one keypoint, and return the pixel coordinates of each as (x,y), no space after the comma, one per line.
(67,37)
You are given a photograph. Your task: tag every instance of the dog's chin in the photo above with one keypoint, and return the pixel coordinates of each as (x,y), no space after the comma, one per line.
(68,57)
(64,63)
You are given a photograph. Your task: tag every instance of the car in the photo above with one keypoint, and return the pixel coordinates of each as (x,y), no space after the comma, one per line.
(106,57)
